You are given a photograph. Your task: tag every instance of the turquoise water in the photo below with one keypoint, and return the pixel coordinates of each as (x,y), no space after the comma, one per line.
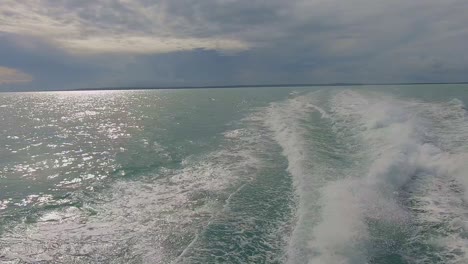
(345,175)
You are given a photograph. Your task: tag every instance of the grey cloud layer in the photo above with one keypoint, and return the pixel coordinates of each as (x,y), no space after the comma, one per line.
(9,75)
(105,26)
(253,41)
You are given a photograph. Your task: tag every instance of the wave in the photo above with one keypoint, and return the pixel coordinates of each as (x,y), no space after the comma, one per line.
(291,123)
(255,219)
(367,210)
(371,178)
(153,220)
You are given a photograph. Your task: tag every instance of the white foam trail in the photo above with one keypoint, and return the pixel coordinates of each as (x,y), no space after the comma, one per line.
(440,196)
(180,258)
(288,121)
(396,134)
(146,221)
(397,143)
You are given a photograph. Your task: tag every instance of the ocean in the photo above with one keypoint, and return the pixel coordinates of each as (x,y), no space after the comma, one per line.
(319,175)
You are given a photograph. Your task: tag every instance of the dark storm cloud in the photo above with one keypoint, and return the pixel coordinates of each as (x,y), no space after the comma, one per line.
(188,42)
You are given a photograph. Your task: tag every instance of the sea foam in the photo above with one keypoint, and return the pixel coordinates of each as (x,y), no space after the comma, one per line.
(399,142)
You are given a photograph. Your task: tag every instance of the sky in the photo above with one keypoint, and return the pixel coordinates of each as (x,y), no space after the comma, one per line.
(67,44)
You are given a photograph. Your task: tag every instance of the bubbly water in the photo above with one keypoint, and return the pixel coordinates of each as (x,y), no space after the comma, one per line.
(320,175)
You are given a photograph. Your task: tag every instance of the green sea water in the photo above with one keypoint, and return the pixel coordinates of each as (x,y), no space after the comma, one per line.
(321,175)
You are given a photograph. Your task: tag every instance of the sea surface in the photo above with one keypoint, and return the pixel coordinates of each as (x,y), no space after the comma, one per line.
(319,175)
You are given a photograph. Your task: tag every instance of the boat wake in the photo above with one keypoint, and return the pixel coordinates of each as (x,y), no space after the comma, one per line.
(379,179)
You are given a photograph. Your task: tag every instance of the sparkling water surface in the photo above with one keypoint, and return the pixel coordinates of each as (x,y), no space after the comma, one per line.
(352,175)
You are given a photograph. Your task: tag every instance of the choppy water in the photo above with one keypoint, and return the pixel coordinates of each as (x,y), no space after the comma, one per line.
(322,175)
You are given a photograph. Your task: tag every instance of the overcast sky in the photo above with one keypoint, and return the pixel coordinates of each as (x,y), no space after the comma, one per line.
(64,44)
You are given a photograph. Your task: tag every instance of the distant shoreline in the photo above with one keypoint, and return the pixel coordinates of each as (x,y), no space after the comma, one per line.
(256,86)
(234,86)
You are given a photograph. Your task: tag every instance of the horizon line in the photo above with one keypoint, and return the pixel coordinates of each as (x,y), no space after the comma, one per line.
(234,86)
